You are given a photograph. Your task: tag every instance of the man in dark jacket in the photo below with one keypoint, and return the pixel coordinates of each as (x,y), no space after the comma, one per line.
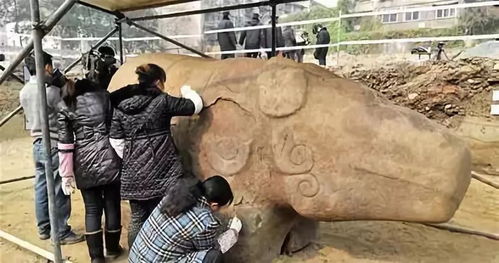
(227,40)
(322,39)
(252,39)
(268,37)
(289,41)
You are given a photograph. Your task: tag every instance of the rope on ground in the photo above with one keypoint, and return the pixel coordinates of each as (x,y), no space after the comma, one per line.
(484,180)
(464,230)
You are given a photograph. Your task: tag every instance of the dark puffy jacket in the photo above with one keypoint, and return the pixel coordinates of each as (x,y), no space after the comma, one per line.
(151,163)
(252,39)
(227,40)
(322,38)
(289,37)
(86,124)
(268,37)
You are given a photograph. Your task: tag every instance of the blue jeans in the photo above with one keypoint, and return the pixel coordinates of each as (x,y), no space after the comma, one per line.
(62,201)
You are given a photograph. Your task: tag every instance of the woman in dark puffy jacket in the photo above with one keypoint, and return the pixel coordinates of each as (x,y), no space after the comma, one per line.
(87,157)
(140,133)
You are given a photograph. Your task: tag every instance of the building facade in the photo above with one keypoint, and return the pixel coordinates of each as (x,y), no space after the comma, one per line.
(443,17)
(242,16)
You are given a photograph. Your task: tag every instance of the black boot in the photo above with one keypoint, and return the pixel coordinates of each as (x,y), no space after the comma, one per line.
(113,248)
(95,247)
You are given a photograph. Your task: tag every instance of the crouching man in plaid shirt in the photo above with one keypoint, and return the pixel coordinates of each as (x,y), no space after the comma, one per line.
(182,228)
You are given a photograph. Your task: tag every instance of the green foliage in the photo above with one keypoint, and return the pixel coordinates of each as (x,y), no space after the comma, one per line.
(478,20)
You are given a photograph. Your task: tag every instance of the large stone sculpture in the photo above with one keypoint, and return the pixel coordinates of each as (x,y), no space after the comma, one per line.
(299,144)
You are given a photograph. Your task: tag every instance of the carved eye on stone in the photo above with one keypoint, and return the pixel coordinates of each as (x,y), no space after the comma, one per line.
(227,156)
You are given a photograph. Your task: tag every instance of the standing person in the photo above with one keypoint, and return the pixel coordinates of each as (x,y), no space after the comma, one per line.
(140,133)
(322,39)
(30,102)
(227,40)
(252,39)
(302,41)
(84,123)
(289,41)
(268,38)
(183,228)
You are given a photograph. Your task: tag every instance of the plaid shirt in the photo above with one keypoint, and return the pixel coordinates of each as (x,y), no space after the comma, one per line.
(184,238)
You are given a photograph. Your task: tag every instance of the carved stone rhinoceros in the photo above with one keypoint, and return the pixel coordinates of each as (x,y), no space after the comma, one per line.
(299,144)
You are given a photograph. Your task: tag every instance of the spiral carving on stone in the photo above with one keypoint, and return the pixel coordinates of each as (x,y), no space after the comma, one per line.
(291,158)
(309,185)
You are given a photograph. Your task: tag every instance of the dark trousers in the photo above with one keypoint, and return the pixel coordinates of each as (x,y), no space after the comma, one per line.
(98,199)
(141,209)
(322,61)
(252,55)
(226,56)
(213,256)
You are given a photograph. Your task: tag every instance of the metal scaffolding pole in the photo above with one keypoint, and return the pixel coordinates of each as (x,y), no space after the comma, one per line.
(168,39)
(12,75)
(120,42)
(274,14)
(213,10)
(110,34)
(40,75)
(47,26)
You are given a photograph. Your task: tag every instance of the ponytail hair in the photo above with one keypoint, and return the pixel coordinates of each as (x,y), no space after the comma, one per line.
(150,73)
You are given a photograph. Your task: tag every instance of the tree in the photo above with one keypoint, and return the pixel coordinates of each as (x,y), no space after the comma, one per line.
(478,20)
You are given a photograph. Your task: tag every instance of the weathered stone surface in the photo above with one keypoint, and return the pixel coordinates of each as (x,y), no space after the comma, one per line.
(482,136)
(294,139)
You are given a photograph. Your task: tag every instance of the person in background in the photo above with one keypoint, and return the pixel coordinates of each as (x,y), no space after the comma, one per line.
(252,39)
(140,133)
(289,41)
(268,38)
(227,40)
(183,228)
(84,123)
(322,39)
(302,41)
(29,97)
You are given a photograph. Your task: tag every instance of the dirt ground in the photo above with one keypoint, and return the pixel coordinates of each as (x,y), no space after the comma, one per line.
(365,241)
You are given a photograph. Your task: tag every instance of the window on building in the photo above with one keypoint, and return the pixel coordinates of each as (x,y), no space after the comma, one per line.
(447,12)
(389,18)
(411,16)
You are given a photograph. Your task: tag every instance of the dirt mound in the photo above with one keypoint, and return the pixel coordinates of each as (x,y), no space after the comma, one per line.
(9,96)
(437,89)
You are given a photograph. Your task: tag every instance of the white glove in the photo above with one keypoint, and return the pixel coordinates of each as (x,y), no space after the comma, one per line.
(118,146)
(68,185)
(236,224)
(192,95)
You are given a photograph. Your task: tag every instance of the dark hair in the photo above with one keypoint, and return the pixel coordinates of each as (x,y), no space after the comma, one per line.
(106,50)
(217,190)
(149,73)
(31,65)
(71,90)
(183,195)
